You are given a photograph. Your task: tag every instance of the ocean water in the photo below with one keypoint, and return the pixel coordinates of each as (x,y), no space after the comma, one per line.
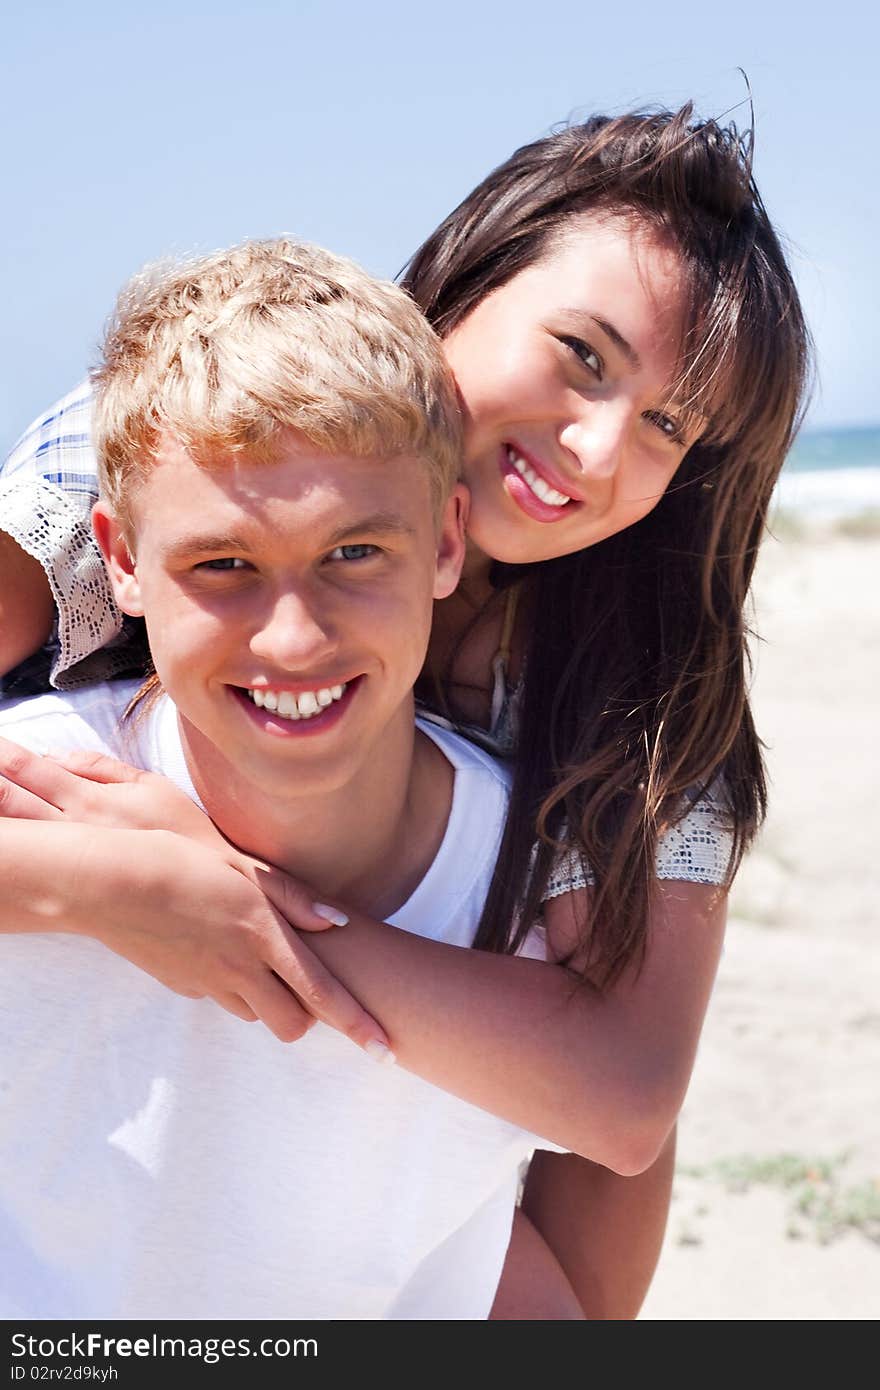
(832,473)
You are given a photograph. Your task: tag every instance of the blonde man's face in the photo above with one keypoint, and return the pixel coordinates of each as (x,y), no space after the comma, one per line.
(288,604)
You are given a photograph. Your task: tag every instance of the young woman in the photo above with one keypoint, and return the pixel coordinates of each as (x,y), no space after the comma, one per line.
(631,357)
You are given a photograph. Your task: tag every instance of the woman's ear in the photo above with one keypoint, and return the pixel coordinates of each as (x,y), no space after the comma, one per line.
(451,541)
(121,565)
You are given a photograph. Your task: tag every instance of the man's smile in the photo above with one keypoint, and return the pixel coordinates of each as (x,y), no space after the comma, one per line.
(286,712)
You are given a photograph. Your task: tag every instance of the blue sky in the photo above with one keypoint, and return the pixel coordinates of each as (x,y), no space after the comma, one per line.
(134,133)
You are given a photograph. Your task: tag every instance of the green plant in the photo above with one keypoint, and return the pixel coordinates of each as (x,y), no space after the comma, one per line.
(820,1205)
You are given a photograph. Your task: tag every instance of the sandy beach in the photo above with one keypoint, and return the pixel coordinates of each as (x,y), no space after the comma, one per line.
(776,1210)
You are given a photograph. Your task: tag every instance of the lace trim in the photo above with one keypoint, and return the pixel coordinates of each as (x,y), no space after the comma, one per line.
(696,850)
(54,527)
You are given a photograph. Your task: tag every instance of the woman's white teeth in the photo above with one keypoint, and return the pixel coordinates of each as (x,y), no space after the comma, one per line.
(543,491)
(291,706)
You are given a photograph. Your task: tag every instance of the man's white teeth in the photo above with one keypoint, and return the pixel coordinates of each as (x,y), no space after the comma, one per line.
(543,491)
(291,706)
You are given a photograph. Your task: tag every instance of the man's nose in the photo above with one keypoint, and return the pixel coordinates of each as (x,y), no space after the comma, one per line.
(297,631)
(597,439)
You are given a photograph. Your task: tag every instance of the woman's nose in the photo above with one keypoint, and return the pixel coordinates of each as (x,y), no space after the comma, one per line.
(597,439)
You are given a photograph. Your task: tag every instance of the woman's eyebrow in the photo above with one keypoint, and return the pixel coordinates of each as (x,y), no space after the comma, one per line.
(615,335)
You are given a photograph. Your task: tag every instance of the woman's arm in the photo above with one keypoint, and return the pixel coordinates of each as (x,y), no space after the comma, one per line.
(603,1076)
(170,903)
(27,608)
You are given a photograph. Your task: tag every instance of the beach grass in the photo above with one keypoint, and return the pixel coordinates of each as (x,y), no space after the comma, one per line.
(821,1206)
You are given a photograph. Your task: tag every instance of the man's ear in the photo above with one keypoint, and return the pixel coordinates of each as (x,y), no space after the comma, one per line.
(451,541)
(110,535)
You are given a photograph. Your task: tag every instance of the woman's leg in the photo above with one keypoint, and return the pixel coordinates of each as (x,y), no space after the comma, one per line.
(533,1286)
(605,1231)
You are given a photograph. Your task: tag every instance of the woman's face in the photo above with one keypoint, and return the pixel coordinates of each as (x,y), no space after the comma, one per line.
(565,376)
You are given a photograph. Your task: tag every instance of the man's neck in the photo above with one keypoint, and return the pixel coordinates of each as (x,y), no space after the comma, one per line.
(366,844)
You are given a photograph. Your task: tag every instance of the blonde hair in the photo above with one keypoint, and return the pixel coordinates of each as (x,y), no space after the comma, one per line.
(226,350)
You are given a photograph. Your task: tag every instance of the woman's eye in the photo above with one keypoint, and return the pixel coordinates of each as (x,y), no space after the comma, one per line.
(669,428)
(353,552)
(582,350)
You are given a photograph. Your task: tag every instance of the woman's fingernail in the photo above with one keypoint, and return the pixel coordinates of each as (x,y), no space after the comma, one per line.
(380,1053)
(330,914)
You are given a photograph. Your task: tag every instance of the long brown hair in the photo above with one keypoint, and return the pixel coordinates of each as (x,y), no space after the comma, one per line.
(635,694)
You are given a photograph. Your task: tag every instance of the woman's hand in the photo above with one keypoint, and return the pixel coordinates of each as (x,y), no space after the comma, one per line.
(195,916)
(90,788)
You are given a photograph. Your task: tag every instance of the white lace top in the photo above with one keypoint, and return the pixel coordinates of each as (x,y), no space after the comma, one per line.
(48,485)
(696,850)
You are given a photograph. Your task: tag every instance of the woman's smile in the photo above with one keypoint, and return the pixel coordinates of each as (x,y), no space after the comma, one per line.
(527,483)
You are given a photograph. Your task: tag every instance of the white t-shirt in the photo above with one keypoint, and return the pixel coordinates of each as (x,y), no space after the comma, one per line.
(161,1159)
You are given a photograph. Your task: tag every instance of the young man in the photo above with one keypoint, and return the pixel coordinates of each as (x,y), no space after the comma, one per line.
(278,442)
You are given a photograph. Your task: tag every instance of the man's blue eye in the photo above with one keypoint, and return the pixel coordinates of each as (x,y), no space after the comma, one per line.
(353,552)
(224,563)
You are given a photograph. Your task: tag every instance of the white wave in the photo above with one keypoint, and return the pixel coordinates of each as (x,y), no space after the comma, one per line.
(827,494)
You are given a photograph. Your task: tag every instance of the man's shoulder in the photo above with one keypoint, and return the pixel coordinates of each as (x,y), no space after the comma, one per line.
(448,902)
(465,756)
(90,718)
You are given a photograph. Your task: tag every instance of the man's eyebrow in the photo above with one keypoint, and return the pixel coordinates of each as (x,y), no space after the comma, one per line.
(223,543)
(614,334)
(378,523)
(232,543)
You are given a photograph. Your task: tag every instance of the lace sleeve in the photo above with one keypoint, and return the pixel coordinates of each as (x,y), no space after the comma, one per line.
(696,850)
(53,526)
(48,483)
